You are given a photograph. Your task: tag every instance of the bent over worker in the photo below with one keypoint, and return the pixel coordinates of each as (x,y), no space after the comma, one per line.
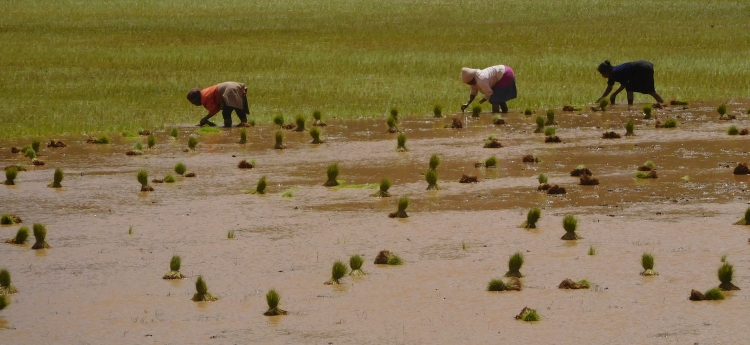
(636,76)
(228,97)
(496,83)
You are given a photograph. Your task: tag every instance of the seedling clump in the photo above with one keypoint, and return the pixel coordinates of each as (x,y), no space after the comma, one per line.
(539,124)
(746,220)
(580,170)
(355,262)
(10,176)
(332,173)
(40,234)
(143,179)
(273,298)
(57,179)
(733,130)
(603,103)
(9,219)
(722,109)
(174,268)
(180,168)
(570,284)
(279,136)
(21,236)
(261,187)
(550,132)
(528,112)
(4,301)
(592,250)
(315,134)
(338,271)
(403,203)
(202,291)
(669,123)
(648,166)
(492,142)
(530,159)
(437,111)
(192,143)
(387,258)
(527,314)
(491,162)
(629,128)
(647,261)
(647,109)
(513,284)
(543,178)
(726,273)
(169,178)
(531,218)
(173,133)
(101,140)
(476,110)
(279,120)
(243,136)
(645,175)
(434,162)
(570,223)
(431,177)
(300,121)
(6,288)
(401,143)
(392,124)
(151,141)
(230,234)
(714,294)
(550,118)
(498,120)
(317,119)
(385,184)
(514,265)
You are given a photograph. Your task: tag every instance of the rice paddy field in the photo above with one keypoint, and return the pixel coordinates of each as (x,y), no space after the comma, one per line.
(188,235)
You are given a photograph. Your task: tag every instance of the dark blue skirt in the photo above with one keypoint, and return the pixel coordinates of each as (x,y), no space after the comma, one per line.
(504,94)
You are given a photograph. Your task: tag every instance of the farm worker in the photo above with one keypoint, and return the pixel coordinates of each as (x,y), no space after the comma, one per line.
(497,83)
(228,97)
(636,76)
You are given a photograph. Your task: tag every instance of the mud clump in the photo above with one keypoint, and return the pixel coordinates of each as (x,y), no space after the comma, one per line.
(554,139)
(147,188)
(556,190)
(610,135)
(587,180)
(455,123)
(544,187)
(581,171)
(569,108)
(244,164)
(493,143)
(696,295)
(677,102)
(15,150)
(134,153)
(643,175)
(15,166)
(468,179)
(144,132)
(157,181)
(289,126)
(37,162)
(190,174)
(569,284)
(740,169)
(644,168)
(10,219)
(523,313)
(387,258)
(56,144)
(530,159)
(744,131)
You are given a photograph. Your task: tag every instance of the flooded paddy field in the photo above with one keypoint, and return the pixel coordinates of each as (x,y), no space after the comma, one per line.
(101,283)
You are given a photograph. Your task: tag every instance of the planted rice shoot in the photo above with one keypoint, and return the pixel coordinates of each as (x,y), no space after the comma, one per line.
(476,110)
(315,134)
(714,294)
(201,293)
(647,262)
(722,109)
(647,110)
(230,234)
(138,146)
(514,265)
(431,176)
(338,271)
(531,218)
(491,162)
(394,113)
(10,176)
(550,131)
(528,112)
(143,180)
(403,203)
(260,188)
(570,224)
(385,184)
(603,103)
(332,172)
(401,143)
(530,315)
(6,288)
(279,137)
(180,168)
(4,301)
(392,124)
(539,124)
(317,116)
(31,154)
(630,128)
(543,178)
(174,268)
(394,260)
(278,120)
(497,285)
(437,111)
(592,250)
(151,141)
(650,164)
(7,219)
(300,121)
(192,143)
(57,178)
(746,220)
(21,236)
(434,162)
(35,144)
(243,136)
(670,123)
(169,178)
(726,274)
(173,133)
(272,299)
(355,262)
(733,130)
(40,234)
(550,118)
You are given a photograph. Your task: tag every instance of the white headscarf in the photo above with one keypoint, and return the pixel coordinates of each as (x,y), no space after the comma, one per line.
(467,74)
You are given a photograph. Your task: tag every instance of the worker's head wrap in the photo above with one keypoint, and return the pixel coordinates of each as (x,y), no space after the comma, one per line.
(194,96)
(604,67)
(467,74)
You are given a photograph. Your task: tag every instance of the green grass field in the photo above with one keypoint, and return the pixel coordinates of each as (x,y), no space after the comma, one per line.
(98,66)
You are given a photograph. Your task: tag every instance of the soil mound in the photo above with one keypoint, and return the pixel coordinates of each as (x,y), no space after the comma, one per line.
(319,123)
(610,135)
(744,131)
(587,180)
(569,284)
(644,168)
(37,162)
(289,126)
(56,144)
(134,153)
(14,150)
(530,159)
(244,164)
(499,122)
(696,295)
(456,123)
(468,179)
(243,124)
(493,144)
(579,172)
(190,174)
(157,181)
(556,190)
(18,167)
(145,132)
(543,187)
(728,287)
(147,189)
(651,174)
(554,139)
(740,169)
(382,258)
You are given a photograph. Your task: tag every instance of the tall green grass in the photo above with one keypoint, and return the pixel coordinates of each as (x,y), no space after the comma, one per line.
(125,64)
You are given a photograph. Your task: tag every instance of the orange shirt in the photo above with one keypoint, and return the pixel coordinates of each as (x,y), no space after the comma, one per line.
(211,100)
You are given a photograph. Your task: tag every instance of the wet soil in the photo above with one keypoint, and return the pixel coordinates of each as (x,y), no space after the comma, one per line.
(530,159)
(492,144)
(468,179)
(587,180)
(100,285)
(555,189)
(244,164)
(56,144)
(610,135)
(741,169)
(554,139)
(570,284)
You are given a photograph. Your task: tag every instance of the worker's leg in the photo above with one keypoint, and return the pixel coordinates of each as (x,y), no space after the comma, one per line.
(241,114)
(656,97)
(495,108)
(630,98)
(227,114)
(504,107)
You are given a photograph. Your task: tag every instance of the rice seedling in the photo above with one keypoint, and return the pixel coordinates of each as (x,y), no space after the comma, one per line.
(138,146)
(300,122)
(650,165)
(570,223)
(437,111)
(550,118)
(287,194)
(531,218)
(539,124)
(394,260)
(514,265)
(7,219)
(645,175)
(670,123)
(279,137)
(401,143)
(592,250)
(243,136)
(629,128)
(463,246)
(332,172)
(174,268)
(6,288)
(315,134)
(180,168)
(550,131)
(202,291)
(40,234)
(272,299)
(169,178)
(4,301)
(392,124)
(279,120)
(57,179)
(387,258)
(498,285)
(603,103)
(647,261)
(25,149)
(434,161)
(143,180)
(21,236)
(403,203)
(746,220)
(130,230)
(317,116)
(394,113)
(733,130)
(476,110)
(35,144)
(528,112)
(260,188)
(570,284)
(498,120)
(725,274)
(173,133)
(338,271)
(527,314)
(491,162)
(192,143)
(151,141)
(385,184)
(714,294)
(230,234)
(31,154)
(355,262)
(722,109)
(492,142)
(543,178)
(431,177)
(647,110)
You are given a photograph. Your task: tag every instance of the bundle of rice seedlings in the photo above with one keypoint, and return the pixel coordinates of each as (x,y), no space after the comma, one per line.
(332,172)
(669,123)
(387,258)
(531,218)
(746,220)
(401,143)
(245,164)
(647,166)
(338,271)
(300,122)
(514,265)
(498,120)
(629,128)
(550,131)
(260,188)
(31,154)
(603,103)
(180,168)
(230,234)
(403,203)
(528,112)
(243,136)
(40,234)
(174,268)
(722,109)
(714,294)
(570,223)
(592,250)
(647,261)
(437,111)
(570,284)
(726,273)
(273,298)
(513,284)
(550,118)
(138,146)
(143,180)
(645,175)
(7,219)
(101,140)
(4,301)
(434,162)
(315,134)
(431,176)
(543,178)
(6,288)
(476,110)
(579,170)
(492,142)
(355,262)
(385,184)
(392,124)
(279,120)
(527,314)
(21,235)
(539,124)
(202,291)
(317,116)
(151,141)
(279,137)
(491,162)
(394,113)
(57,179)
(192,143)
(168,179)
(173,133)
(647,109)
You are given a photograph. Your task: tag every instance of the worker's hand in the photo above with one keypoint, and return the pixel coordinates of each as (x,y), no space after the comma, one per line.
(464,106)
(205,121)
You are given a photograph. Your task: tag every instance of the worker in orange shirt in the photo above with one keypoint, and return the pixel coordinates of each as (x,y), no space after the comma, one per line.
(228,97)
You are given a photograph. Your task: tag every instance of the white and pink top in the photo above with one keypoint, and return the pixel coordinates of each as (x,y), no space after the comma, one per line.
(499,76)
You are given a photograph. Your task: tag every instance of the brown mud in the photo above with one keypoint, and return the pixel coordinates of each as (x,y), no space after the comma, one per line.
(644,168)
(610,135)
(107,284)
(133,153)
(741,169)
(190,174)
(492,143)
(157,181)
(16,166)
(570,284)
(555,189)
(468,179)
(581,172)
(651,174)
(587,180)
(456,123)
(14,149)
(56,144)
(144,132)
(553,139)
(244,164)
(530,159)
(544,187)
(744,131)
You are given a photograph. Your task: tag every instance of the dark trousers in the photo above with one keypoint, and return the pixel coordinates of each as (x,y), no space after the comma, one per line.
(241,113)
(497,106)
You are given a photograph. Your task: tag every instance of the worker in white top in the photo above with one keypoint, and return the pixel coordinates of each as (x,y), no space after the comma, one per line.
(496,83)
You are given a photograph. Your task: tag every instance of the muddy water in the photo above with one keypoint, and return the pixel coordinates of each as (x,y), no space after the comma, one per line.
(100,285)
